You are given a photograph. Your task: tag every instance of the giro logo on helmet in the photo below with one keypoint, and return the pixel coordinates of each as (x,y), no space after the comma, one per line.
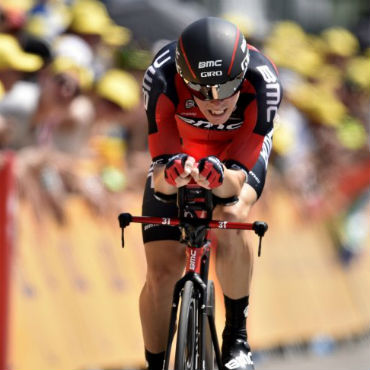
(210,63)
(211,73)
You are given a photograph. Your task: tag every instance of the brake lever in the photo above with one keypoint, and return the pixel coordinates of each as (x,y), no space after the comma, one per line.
(260,229)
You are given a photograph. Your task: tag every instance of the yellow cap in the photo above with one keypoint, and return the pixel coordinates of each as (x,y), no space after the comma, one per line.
(14,57)
(340,41)
(91,17)
(67,65)
(23,5)
(120,88)
(329,76)
(290,47)
(319,102)
(358,72)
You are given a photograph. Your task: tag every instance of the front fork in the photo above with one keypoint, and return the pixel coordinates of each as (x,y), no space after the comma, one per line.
(201,287)
(200,284)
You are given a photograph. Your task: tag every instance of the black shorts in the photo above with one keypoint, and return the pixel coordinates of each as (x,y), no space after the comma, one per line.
(157,208)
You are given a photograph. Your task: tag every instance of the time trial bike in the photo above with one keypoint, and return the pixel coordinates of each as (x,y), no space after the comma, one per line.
(197,346)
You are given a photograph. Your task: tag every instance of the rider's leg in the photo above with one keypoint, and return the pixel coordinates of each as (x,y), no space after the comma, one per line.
(165,258)
(165,264)
(234,262)
(234,267)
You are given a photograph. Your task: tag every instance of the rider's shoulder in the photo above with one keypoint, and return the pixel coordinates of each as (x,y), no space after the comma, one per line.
(164,60)
(159,76)
(261,68)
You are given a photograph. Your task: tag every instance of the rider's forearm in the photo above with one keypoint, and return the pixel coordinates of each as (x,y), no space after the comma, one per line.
(232,184)
(160,183)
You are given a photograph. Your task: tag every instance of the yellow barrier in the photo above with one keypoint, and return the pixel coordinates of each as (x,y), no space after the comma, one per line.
(75,293)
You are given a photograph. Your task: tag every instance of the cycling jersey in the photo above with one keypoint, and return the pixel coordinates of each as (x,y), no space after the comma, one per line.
(176,125)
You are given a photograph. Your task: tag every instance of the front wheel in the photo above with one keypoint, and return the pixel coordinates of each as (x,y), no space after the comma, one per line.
(187,339)
(210,354)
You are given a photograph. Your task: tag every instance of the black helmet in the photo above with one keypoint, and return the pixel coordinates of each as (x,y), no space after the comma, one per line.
(212,57)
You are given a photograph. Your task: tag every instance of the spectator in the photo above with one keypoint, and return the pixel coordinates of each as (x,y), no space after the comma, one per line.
(63,116)
(119,138)
(14,63)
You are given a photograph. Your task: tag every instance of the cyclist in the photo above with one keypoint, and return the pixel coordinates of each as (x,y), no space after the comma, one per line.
(210,100)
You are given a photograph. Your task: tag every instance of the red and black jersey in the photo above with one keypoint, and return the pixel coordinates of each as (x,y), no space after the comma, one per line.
(176,125)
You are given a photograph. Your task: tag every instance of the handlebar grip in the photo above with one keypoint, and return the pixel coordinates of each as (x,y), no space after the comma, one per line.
(124,219)
(260,227)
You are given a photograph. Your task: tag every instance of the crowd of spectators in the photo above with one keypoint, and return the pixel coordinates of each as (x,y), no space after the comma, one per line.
(72,112)
(321,141)
(68,108)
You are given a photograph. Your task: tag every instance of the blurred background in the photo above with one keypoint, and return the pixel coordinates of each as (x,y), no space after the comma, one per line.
(73,154)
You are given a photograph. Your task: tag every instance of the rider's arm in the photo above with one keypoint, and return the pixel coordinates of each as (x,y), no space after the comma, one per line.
(232,184)
(160,183)
(160,105)
(249,151)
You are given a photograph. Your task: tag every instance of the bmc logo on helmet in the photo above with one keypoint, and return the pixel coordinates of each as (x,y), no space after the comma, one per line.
(210,73)
(210,63)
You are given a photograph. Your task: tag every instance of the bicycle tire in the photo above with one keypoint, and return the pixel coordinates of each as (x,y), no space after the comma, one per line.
(186,345)
(210,353)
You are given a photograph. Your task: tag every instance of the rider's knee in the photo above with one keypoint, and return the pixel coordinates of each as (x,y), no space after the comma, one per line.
(230,214)
(162,273)
(162,277)
(226,213)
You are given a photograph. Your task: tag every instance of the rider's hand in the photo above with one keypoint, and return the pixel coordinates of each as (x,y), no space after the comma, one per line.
(178,169)
(210,172)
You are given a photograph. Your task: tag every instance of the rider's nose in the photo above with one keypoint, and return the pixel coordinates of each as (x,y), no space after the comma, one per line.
(215,103)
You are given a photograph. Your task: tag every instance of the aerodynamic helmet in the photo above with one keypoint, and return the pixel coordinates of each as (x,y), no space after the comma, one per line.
(212,58)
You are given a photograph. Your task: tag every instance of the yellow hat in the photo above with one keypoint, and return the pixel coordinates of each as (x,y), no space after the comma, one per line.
(330,76)
(66,65)
(358,72)
(290,47)
(91,17)
(340,41)
(23,5)
(319,103)
(12,56)
(120,88)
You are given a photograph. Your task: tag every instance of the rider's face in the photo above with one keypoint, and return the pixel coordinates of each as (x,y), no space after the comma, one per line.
(217,111)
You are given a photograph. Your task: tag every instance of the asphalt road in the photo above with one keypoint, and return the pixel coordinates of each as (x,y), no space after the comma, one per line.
(349,356)
(354,355)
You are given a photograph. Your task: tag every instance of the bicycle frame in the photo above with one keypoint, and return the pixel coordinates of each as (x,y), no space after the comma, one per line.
(195,213)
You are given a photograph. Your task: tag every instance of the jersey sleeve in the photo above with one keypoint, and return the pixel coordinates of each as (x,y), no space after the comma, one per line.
(262,93)
(160,101)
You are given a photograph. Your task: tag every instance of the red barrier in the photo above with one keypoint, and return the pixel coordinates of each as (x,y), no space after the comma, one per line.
(6,189)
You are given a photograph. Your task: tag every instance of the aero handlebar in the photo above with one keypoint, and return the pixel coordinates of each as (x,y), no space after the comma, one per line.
(258,227)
